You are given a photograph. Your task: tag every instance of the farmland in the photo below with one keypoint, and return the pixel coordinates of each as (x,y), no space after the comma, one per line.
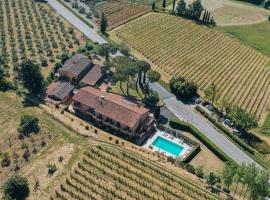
(32,30)
(106,172)
(178,47)
(120,12)
(256,35)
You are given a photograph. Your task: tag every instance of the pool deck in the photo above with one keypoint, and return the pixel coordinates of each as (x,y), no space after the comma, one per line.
(179,141)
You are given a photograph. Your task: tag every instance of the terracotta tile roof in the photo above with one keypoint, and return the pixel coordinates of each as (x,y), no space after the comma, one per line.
(111,105)
(93,76)
(76,64)
(59,90)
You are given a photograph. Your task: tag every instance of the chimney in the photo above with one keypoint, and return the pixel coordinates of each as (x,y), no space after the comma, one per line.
(101,99)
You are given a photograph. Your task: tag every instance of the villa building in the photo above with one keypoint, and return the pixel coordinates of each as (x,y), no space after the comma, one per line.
(59,92)
(95,74)
(124,117)
(75,68)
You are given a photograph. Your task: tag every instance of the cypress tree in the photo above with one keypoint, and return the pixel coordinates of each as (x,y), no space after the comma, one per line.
(164,4)
(154,6)
(208,18)
(103,23)
(204,17)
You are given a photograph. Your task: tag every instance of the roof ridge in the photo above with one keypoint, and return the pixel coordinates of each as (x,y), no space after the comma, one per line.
(121,105)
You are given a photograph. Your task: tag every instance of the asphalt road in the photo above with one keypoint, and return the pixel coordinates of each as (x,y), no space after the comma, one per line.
(178,108)
(76,22)
(186,113)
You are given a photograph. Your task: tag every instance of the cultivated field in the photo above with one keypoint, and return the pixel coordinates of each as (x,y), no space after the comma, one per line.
(33,30)
(120,12)
(180,47)
(107,172)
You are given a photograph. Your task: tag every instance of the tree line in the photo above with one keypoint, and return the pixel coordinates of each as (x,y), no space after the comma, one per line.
(194,11)
(242,120)
(254,182)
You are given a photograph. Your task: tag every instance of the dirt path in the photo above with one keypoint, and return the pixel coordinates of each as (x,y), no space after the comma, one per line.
(231,13)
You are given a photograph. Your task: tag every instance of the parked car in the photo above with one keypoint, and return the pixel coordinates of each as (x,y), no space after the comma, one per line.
(197,101)
(228,122)
(236,132)
(210,108)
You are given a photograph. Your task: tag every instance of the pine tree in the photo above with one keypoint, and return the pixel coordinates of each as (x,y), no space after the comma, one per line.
(103,23)
(173,6)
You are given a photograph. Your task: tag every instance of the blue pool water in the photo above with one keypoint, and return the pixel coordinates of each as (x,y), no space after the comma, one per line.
(168,146)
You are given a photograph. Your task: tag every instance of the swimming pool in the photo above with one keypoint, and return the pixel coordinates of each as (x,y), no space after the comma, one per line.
(168,146)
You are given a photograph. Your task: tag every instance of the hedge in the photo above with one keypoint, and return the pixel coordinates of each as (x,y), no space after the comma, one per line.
(192,154)
(226,131)
(176,124)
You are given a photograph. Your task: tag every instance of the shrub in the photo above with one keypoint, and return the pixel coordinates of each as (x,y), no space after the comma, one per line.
(26,154)
(5,161)
(176,124)
(43,62)
(54,45)
(24,146)
(60,159)
(70,30)
(124,49)
(190,168)
(51,169)
(199,172)
(170,159)
(16,187)
(81,10)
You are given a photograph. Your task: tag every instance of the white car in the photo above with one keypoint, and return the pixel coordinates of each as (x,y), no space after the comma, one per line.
(228,122)
(210,108)
(197,101)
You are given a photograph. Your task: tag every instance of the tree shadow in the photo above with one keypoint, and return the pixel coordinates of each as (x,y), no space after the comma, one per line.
(31,101)
(163,120)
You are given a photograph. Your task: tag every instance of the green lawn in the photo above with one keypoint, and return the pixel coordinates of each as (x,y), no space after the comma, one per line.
(256,36)
(132,90)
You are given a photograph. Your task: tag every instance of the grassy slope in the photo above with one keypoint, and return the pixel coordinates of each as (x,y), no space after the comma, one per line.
(265,128)
(256,36)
